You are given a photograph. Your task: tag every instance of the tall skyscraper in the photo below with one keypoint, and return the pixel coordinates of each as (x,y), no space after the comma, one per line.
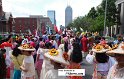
(51,14)
(68,15)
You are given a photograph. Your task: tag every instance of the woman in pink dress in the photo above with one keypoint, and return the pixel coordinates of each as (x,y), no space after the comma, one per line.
(39,58)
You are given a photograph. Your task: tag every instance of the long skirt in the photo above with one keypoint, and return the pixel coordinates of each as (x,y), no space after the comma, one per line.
(39,67)
(17,74)
(8,73)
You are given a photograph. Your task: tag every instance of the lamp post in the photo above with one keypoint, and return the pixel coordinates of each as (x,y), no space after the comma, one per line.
(105,18)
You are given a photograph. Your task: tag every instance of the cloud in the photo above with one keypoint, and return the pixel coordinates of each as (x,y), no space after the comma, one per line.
(59,7)
(21,7)
(40,7)
(80,8)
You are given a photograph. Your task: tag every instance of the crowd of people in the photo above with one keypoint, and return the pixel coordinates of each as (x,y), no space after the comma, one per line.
(22,57)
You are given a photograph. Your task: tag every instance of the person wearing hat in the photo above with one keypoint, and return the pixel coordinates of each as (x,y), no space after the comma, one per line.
(46,66)
(117,70)
(27,67)
(57,60)
(102,63)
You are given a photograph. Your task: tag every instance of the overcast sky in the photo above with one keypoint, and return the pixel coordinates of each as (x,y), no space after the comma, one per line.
(21,8)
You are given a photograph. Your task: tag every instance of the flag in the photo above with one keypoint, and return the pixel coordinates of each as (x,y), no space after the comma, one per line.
(55,28)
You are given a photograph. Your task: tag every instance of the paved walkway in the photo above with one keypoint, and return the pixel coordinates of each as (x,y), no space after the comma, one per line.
(88,69)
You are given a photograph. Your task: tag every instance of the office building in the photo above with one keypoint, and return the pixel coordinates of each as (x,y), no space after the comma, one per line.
(51,14)
(68,15)
(120,8)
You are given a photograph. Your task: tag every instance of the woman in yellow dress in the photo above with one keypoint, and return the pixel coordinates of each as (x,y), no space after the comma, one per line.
(17,59)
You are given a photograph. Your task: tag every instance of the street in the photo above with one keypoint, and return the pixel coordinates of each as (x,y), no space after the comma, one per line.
(88,69)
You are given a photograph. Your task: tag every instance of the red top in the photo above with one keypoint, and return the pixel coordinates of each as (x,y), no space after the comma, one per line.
(84,42)
(6,44)
(1,46)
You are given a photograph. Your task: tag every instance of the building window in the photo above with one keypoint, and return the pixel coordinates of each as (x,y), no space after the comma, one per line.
(25,22)
(20,21)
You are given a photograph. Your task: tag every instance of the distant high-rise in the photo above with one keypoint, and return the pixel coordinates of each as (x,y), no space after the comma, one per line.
(51,14)
(68,15)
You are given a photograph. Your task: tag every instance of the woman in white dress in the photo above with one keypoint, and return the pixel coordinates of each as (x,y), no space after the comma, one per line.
(57,60)
(27,67)
(117,71)
(46,66)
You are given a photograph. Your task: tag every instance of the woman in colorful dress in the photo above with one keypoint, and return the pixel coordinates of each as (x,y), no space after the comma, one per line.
(117,70)
(17,59)
(39,58)
(101,62)
(27,67)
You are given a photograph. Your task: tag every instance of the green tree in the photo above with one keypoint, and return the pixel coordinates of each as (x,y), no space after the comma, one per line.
(92,13)
(111,10)
(94,20)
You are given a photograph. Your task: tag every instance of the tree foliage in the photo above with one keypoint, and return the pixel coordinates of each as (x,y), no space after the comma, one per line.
(94,20)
